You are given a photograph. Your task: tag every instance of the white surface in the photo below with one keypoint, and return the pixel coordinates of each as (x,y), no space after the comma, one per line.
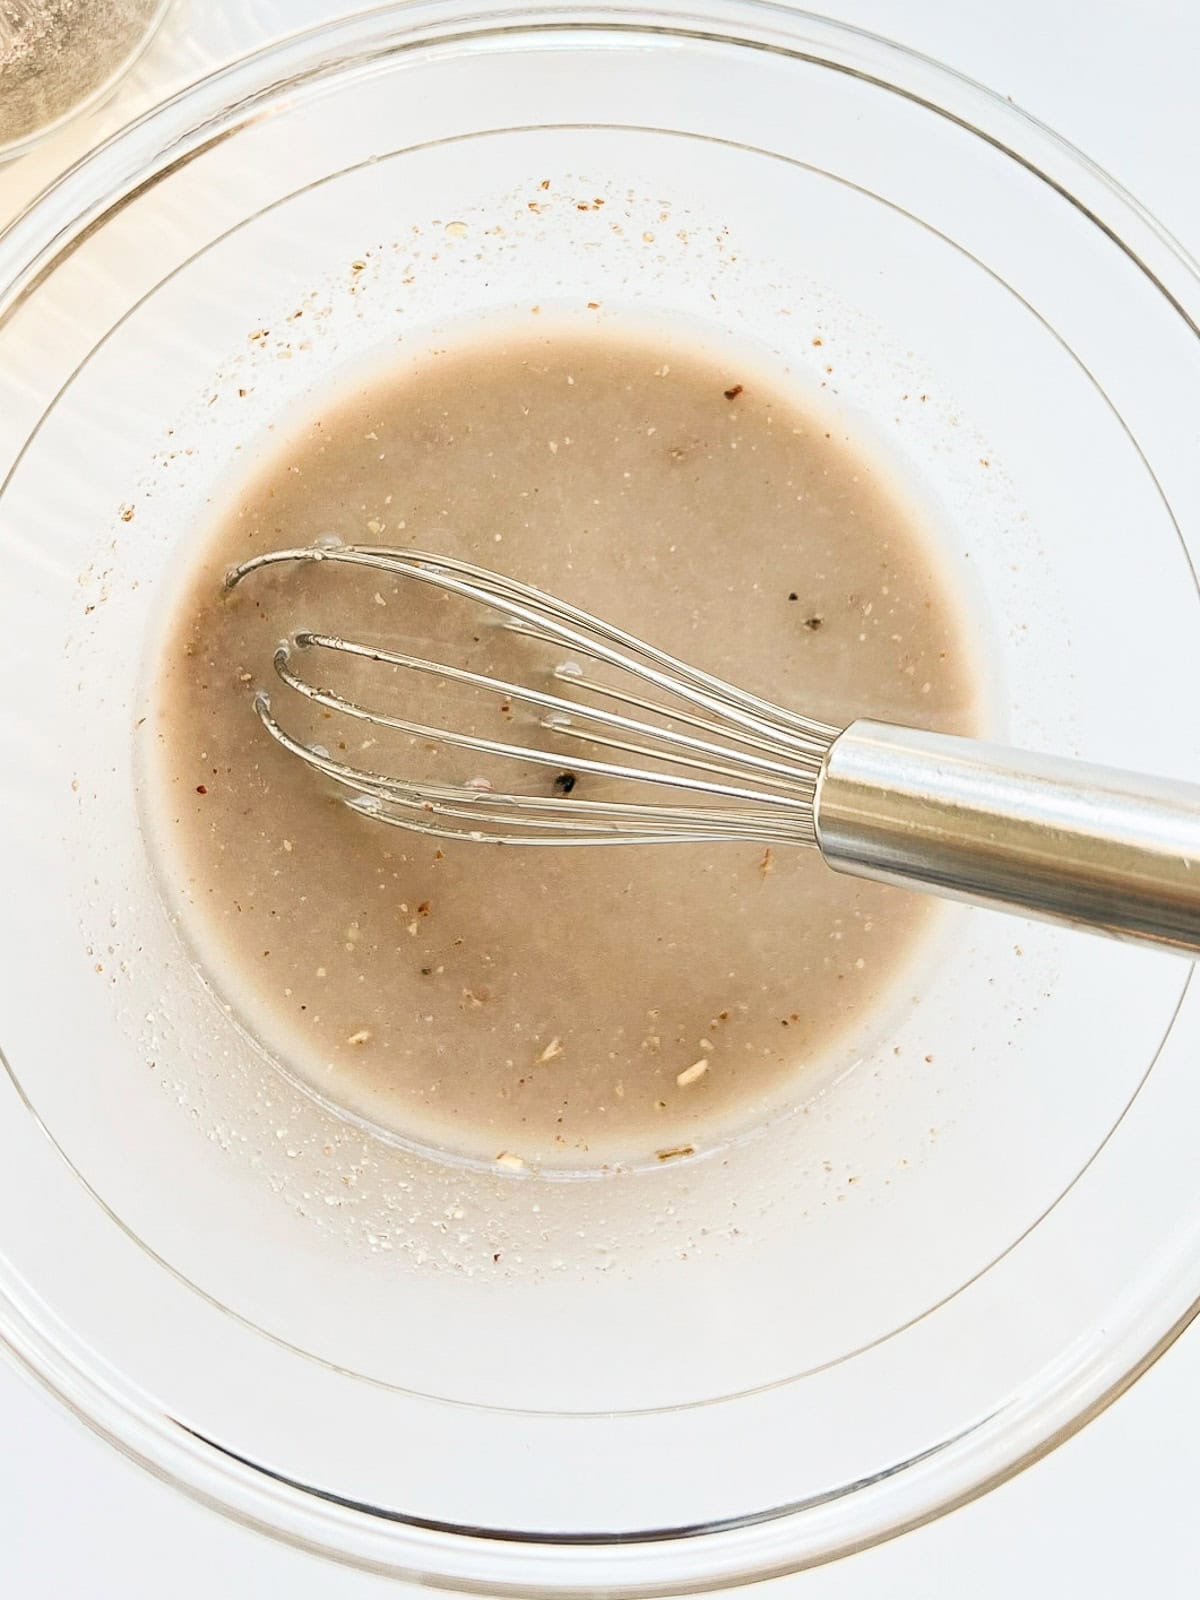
(1110,1512)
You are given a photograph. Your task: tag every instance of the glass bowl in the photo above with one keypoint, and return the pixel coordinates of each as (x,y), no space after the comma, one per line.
(948,1259)
(58,67)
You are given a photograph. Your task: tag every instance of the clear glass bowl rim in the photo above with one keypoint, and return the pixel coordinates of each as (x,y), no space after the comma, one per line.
(491,1560)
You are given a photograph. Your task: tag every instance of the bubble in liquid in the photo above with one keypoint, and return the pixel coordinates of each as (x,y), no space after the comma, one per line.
(328,541)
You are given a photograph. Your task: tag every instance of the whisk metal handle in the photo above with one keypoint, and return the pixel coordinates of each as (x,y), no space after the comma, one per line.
(1047,837)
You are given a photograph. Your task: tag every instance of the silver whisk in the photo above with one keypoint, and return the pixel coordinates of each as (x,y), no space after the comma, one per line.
(1099,848)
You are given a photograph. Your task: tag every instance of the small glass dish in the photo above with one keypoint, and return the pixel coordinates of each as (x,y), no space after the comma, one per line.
(657,1382)
(59,60)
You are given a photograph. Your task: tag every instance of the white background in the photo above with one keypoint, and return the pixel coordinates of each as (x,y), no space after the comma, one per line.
(1113,1512)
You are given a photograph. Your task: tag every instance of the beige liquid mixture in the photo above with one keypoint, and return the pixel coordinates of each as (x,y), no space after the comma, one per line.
(547,1007)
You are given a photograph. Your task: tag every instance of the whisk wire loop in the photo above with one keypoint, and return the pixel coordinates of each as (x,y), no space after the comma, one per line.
(710,741)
